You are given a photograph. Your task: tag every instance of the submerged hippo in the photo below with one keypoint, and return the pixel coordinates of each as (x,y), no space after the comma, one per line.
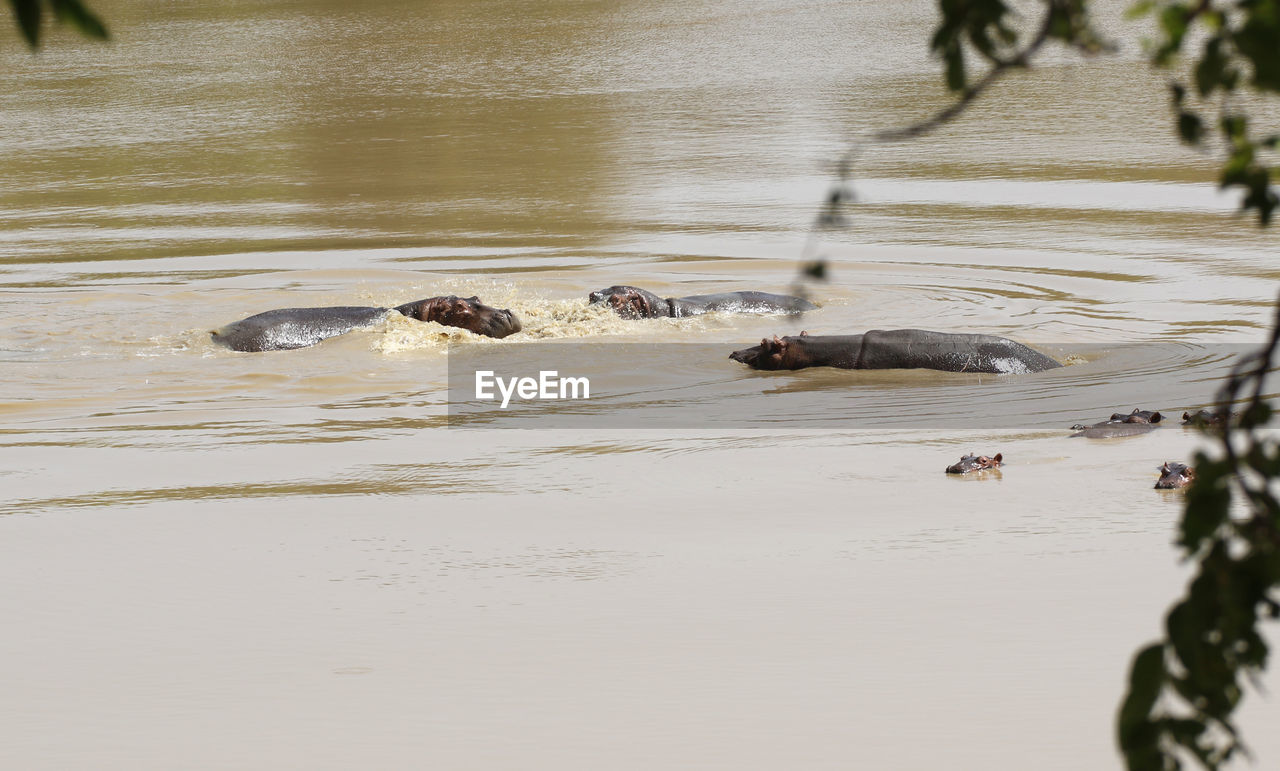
(1120,424)
(969,463)
(897,349)
(1208,418)
(289,328)
(631,302)
(1175,475)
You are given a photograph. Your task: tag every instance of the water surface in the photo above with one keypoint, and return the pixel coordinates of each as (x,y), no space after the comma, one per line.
(255,561)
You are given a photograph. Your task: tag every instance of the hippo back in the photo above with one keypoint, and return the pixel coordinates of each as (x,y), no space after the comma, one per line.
(739,302)
(289,328)
(919,348)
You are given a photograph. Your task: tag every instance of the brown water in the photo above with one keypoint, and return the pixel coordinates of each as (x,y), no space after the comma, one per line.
(220,560)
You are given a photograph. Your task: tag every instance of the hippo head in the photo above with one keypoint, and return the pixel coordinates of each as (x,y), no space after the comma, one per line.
(975,463)
(1175,475)
(1208,418)
(631,302)
(1137,416)
(778,353)
(465,313)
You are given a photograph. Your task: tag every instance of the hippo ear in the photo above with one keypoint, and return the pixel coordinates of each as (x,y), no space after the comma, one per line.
(1186,416)
(998,458)
(804,333)
(474,299)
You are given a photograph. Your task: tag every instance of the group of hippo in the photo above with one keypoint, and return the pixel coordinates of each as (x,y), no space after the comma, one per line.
(290,328)
(1173,475)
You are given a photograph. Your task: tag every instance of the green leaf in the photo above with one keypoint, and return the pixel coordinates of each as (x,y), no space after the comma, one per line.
(1190,127)
(1209,70)
(1205,512)
(1234,126)
(1146,756)
(1257,414)
(954,59)
(74,13)
(1237,171)
(1146,679)
(28,14)
(981,42)
(1173,20)
(1139,9)
(1184,635)
(1187,732)
(1258,40)
(1261,198)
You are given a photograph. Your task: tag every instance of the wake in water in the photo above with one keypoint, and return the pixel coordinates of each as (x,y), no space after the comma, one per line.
(542,318)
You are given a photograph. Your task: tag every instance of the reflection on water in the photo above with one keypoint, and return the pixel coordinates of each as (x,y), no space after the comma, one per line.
(688,386)
(399,564)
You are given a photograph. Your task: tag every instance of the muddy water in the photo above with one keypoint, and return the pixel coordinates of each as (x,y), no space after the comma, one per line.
(220,560)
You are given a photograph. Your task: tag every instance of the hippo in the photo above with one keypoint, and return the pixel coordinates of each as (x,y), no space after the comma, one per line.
(631,302)
(1204,418)
(289,328)
(897,349)
(969,463)
(1175,475)
(1120,424)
